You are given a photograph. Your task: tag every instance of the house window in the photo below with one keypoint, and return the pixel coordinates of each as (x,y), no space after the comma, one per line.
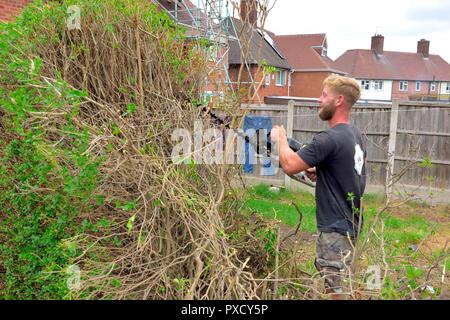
(207,97)
(447,88)
(403,85)
(324,52)
(418,85)
(267,79)
(378,85)
(281,78)
(433,86)
(365,84)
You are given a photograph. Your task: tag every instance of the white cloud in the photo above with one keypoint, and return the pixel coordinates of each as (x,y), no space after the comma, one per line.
(349,24)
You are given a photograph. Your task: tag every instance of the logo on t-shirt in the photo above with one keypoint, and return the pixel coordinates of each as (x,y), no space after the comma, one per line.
(359,159)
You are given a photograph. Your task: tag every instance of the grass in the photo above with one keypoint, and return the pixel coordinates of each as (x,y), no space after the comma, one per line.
(278,205)
(406,228)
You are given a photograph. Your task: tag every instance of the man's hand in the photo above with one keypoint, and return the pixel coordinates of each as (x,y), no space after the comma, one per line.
(290,161)
(311,174)
(277,134)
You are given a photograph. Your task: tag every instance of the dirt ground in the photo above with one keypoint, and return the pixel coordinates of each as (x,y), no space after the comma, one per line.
(439,215)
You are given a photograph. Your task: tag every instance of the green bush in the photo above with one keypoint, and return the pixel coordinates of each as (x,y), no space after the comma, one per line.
(43,185)
(48,179)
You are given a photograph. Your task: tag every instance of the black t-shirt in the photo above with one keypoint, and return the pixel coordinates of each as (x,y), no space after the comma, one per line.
(339,157)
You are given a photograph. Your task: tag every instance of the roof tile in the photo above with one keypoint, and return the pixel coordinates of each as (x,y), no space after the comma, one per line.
(393,65)
(259,47)
(299,49)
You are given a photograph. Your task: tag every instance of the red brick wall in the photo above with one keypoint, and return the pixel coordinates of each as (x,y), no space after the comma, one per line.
(264,90)
(404,95)
(272,89)
(308,84)
(11,8)
(216,81)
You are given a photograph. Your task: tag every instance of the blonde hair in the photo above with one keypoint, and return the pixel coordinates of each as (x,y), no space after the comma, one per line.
(348,87)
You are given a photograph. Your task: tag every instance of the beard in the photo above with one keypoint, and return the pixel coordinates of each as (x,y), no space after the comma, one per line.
(327,112)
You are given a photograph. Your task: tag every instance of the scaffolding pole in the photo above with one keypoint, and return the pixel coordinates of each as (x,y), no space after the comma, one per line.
(212,20)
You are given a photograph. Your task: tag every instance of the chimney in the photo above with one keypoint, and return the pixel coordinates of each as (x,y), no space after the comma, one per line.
(423,47)
(377,44)
(248,12)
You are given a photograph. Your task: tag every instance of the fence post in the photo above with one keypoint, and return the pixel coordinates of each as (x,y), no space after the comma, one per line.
(289,133)
(391,149)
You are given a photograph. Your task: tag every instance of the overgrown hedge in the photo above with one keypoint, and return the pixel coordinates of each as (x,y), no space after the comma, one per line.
(43,186)
(86,176)
(47,185)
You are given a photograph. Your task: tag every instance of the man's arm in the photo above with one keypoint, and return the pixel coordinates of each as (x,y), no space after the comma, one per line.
(290,161)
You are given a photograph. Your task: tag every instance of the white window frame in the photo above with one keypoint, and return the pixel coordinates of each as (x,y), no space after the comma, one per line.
(365,85)
(267,82)
(403,86)
(447,88)
(378,85)
(418,86)
(208,96)
(433,86)
(278,78)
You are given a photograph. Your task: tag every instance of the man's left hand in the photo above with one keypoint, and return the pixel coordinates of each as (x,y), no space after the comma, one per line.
(278,133)
(311,174)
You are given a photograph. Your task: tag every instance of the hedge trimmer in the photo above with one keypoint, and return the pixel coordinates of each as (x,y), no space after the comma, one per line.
(293,144)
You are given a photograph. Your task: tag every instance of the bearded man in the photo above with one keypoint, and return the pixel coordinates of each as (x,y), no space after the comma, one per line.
(336,160)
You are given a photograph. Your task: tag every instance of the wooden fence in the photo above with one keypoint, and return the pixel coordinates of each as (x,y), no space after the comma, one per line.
(398,136)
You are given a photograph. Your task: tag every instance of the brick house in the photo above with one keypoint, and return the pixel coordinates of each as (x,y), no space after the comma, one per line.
(259,47)
(387,75)
(199,26)
(11,8)
(307,54)
(185,14)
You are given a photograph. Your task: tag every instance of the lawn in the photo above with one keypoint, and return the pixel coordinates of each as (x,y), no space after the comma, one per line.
(415,237)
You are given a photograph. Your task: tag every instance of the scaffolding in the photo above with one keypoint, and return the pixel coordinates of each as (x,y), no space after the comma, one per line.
(212,20)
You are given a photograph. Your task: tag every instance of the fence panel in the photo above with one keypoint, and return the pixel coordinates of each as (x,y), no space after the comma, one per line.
(422,132)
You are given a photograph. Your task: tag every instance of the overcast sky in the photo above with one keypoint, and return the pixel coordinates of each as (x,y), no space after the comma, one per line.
(349,24)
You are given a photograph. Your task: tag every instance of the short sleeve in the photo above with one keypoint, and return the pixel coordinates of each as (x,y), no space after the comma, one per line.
(321,147)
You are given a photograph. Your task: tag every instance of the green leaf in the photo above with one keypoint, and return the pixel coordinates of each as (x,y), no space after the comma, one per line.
(131,107)
(115,129)
(426,163)
(109,28)
(100,199)
(129,205)
(116,283)
(130,223)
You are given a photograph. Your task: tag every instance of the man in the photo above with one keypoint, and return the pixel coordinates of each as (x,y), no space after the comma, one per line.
(336,160)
